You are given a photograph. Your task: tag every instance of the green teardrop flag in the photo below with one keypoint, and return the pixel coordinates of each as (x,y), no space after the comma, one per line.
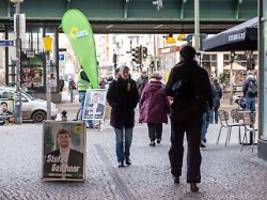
(78,30)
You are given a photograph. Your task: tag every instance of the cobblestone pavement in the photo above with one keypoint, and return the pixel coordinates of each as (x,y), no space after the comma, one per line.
(227,173)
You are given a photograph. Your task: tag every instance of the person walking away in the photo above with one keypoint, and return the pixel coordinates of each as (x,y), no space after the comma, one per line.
(72,88)
(208,115)
(61,84)
(217,102)
(142,81)
(123,97)
(154,106)
(83,85)
(189,86)
(250,92)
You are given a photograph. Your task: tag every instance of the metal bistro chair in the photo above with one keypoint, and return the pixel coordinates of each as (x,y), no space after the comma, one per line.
(236,115)
(248,122)
(224,120)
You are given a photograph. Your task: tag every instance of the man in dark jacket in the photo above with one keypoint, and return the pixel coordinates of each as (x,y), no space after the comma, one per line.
(189,86)
(123,97)
(217,103)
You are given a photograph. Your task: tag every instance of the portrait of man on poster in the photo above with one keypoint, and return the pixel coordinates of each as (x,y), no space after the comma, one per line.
(64,161)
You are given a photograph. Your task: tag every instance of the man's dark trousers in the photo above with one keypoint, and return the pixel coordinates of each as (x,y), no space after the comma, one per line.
(193,132)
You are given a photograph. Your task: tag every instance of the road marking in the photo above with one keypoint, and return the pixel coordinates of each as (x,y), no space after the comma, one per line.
(125,193)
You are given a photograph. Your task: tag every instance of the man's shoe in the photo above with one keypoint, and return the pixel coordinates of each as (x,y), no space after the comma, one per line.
(128,161)
(193,187)
(158,141)
(152,144)
(121,164)
(176,179)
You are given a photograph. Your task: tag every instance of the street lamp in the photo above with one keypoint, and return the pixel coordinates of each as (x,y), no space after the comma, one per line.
(197,29)
(170,39)
(48,41)
(17,22)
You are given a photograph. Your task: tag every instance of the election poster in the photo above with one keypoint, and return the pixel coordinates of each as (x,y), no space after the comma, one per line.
(7,110)
(94,104)
(64,149)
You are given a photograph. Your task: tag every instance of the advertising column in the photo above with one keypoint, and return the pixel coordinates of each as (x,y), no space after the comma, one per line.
(262,45)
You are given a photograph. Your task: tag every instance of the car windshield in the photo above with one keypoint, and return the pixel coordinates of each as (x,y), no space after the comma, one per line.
(28,95)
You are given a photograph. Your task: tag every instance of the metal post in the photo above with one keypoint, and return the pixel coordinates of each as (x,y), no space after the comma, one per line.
(197,30)
(141,58)
(231,78)
(18,115)
(155,54)
(48,86)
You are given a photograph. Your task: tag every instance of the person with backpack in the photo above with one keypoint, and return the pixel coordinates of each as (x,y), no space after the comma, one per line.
(189,86)
(250,92)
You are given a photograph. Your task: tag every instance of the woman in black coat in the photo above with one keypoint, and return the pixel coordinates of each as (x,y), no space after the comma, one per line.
(123,97)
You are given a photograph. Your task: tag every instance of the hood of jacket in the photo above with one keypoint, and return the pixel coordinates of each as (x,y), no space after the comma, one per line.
(154,85)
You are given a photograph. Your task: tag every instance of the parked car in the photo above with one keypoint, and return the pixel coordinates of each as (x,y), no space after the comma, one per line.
(32,108)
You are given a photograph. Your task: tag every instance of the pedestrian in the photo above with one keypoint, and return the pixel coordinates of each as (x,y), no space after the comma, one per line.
(217,102)
(61,84)
(72,88)
(208,115)
(102,83)
(83,85)
(250,92)
(123,97)
(189,86)
(142,81)
(154,107)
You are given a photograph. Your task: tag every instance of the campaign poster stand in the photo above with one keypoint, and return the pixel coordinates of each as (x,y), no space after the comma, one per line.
(64,151)
(7,108)
(95,107)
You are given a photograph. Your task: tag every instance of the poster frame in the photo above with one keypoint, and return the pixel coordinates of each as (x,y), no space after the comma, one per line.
(85,103)
(84,152)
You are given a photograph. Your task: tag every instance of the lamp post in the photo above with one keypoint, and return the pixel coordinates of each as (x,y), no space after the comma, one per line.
(18,103)
(197,30)
(48,48)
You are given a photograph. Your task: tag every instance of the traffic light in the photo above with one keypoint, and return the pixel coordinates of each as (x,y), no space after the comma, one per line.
(144,52)
(136,53)
(152,64)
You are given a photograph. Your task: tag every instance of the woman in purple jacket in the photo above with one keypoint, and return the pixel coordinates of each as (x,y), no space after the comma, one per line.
(154,107)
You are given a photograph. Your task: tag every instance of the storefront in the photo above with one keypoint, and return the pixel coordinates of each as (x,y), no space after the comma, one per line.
(33,69)
(262,149)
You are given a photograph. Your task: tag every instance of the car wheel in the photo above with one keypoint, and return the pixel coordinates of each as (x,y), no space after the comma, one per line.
(39,116)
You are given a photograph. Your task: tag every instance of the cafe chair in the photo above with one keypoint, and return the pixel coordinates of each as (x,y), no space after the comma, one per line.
(224,121)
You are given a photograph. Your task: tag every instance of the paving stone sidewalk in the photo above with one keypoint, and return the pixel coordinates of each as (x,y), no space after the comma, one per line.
(227,173)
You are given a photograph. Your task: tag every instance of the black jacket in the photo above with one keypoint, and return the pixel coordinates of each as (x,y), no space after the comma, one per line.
(193,101)
(122,102)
